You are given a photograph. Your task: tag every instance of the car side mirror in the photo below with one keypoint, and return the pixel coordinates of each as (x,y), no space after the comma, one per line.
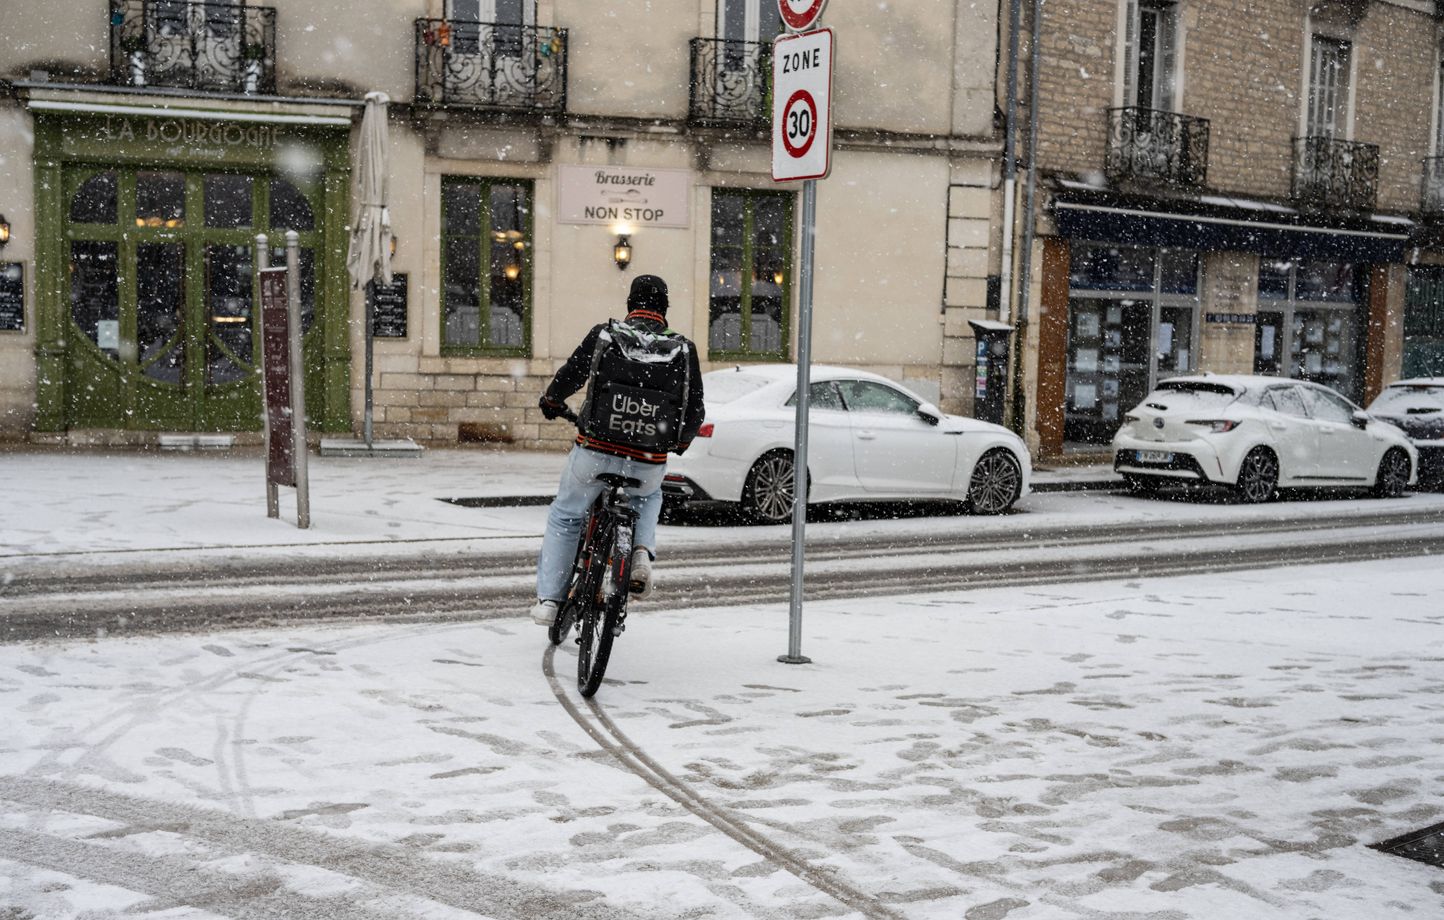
(929,413)
(1361,419)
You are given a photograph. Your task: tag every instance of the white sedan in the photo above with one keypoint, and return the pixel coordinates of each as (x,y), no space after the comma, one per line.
(1259,434)
(869,439)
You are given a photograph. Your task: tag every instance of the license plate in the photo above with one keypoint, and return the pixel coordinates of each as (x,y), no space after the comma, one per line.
(1154,456)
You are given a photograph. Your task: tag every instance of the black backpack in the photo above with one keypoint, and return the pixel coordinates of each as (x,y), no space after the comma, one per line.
(637,390)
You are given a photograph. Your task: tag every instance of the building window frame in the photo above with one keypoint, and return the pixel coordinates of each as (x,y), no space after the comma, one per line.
(1328,110)
(1157,25)
(487,238)
(747,272)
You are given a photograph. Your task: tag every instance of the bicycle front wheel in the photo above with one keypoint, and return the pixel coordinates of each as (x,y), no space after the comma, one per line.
(599,628)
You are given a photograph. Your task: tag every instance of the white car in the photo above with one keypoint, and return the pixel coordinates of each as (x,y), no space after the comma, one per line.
(869,439)
(1259,434)
(1417,407)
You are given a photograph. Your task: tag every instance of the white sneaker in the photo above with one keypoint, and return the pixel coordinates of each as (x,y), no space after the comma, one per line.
(544,613)
(639,582)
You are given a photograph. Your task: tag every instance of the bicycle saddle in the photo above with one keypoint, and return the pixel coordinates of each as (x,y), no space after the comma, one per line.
(615,480)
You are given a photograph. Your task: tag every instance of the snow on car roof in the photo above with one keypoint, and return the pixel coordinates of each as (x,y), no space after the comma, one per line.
(1419,382)
(1240,382)
(779,372)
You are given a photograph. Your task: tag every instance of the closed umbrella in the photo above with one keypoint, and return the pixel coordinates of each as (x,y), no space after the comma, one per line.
(370,255)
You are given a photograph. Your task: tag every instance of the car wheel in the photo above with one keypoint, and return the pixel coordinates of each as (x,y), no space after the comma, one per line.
(1393,475)
(1142,485)
(767,495)
(1258,477)
(997,482)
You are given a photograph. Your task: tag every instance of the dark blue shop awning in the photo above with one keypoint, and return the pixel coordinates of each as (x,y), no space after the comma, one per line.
(1214,222)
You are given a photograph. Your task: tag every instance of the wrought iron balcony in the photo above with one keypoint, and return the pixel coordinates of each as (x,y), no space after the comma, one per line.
(730,83)
(1153,146)
(212,47)
(1331,173)
(1431,201)
(489,65)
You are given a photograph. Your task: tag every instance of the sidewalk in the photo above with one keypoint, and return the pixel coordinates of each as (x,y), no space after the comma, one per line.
(63,501)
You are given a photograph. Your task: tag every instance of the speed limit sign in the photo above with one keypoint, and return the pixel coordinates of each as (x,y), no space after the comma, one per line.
(800,15)
(802,106)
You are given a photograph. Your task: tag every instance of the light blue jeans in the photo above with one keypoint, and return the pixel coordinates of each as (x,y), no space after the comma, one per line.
(578,489)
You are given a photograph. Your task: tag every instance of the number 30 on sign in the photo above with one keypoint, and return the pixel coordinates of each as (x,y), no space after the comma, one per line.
(802,106)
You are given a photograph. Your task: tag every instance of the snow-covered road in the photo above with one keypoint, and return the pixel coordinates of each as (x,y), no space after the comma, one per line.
(1166,748)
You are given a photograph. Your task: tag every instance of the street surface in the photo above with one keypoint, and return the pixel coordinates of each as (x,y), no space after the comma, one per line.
(1101,706)
(1155,747)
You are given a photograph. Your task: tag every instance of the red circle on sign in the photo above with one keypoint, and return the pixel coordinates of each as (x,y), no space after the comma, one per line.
(800,21)
(804,97)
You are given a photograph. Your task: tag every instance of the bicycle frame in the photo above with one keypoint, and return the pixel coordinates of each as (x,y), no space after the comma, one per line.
(596,600)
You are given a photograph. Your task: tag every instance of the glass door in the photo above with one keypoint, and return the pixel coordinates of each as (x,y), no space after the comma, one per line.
(162,297)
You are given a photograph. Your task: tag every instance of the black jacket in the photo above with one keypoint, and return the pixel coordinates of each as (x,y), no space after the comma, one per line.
(573,375)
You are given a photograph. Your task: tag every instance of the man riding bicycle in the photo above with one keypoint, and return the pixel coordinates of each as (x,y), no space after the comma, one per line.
(644,399)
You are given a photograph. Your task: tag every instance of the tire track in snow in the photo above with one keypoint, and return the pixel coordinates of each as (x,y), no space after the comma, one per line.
(389,867)
(615,742)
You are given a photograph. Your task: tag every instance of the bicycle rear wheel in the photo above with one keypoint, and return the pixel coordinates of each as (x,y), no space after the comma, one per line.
(598,627)
(571,605)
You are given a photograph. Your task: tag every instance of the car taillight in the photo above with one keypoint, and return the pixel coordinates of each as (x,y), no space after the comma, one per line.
(706,430)
(1217,426)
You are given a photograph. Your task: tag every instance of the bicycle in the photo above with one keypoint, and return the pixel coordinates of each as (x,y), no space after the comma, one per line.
(596,600)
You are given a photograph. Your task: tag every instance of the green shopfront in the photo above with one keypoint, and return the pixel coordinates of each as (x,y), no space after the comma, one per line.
(147,307)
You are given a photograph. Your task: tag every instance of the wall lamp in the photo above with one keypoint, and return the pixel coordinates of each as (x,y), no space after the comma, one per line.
(622,252)
(4,230)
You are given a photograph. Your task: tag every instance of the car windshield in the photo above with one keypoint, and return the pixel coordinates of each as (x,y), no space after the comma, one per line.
(726,386)
(1413,399)
(1191,394)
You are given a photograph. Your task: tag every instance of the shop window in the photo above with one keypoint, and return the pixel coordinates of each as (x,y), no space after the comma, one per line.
(160,301)
(1424,322)
(228,201)
(160,199)
(486,265)
(95,293)
(95,201)
(290,208)
(1310,323)
(750,278)
(1133,314)
(1102,267)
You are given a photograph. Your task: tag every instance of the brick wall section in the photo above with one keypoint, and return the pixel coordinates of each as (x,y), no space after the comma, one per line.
(1397,52)
(1241,70)
(1075,84)
(440,405)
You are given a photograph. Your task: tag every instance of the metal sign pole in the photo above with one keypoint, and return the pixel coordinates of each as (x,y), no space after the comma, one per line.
(273,498)
(298,387)
(804,385)
(370,317)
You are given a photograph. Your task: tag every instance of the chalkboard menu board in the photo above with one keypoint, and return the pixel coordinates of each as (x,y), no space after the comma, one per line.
(388,307)
(12,297)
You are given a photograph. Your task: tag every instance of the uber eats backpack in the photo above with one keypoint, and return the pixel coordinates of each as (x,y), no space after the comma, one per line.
(637,390)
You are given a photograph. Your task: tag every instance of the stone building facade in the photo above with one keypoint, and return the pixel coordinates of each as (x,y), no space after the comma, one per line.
(143,143)
(1228,187)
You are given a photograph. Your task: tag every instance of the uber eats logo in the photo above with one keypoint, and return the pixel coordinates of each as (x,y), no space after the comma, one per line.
(635,416)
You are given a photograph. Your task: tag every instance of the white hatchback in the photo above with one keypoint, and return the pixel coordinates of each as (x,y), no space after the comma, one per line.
(869,439)
(1258,434)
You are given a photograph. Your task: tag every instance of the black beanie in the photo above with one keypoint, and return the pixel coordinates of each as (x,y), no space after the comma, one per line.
(648,293)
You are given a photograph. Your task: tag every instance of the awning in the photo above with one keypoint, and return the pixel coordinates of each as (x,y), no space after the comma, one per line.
(1215,222)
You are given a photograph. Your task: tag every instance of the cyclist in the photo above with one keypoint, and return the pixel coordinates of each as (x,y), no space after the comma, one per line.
(644,399)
